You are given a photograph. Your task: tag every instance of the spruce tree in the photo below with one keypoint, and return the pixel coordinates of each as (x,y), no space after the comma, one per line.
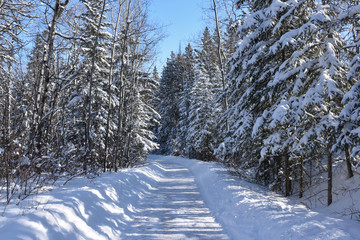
(251,68)
(204,107)
(349,127)
(187,65)
(90,96)
(170,89)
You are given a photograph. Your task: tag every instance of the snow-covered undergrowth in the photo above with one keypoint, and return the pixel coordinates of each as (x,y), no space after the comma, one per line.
(105,207)
(346,194)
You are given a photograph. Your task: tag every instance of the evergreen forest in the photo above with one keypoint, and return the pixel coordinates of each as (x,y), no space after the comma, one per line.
(270,89)
(275,95)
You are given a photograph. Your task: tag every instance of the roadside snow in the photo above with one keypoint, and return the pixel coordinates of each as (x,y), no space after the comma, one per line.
(346,193)
(171,198)
(248,211)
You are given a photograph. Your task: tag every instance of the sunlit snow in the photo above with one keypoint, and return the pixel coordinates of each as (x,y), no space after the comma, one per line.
(170,198)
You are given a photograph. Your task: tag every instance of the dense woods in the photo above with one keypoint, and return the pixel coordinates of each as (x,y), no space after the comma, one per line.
(76,89)
(272,88)
(289,110)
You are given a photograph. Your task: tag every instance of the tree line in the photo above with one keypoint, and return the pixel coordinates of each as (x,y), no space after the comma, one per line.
(276,91)
(76,89)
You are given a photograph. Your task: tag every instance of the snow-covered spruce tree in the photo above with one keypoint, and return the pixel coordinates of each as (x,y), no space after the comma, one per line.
(309,87)
(149,95)
(324,91)
(349,128)
(170,89)
(178,147)
(155,103)
(286,82)
(86,125)
(204,107)
(72,123)
(187,65)
(142,116)
(251,68)
(274,127)
(155,99)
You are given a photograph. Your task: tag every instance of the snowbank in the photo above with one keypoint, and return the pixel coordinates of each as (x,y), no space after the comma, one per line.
(97,209)
(346,194)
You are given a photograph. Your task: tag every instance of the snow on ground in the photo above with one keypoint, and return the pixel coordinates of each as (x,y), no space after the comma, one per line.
(346,193)
(249,211)
(170,198)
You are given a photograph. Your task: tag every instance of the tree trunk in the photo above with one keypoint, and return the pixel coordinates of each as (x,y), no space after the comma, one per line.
(330,177)
(348,161)
(222,70)
(45,72)
(301,190)
(287,175)
(7,127)
(120,145)
(112,60)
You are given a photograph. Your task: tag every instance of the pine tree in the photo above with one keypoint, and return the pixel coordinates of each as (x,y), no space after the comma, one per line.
(187,65)
(305,119)
(89,97)
(170,87)
(143,116)
(286,84)
(251,68)
(349,127)
(204,107)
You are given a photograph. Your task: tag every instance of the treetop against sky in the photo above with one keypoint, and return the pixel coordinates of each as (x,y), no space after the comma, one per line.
(183,20)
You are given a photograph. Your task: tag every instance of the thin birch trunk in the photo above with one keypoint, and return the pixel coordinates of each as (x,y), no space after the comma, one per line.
(7,133)
(222,70)
(120,143)
(112,60)
(45,77)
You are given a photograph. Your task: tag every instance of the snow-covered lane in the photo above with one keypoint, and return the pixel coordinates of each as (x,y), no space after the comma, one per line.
(169,198)
(174,209)
(250,212)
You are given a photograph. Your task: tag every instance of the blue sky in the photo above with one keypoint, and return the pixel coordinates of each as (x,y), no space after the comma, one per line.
(184,21)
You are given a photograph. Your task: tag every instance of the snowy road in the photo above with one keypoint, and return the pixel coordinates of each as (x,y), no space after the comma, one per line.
(174,209)
(169,198)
